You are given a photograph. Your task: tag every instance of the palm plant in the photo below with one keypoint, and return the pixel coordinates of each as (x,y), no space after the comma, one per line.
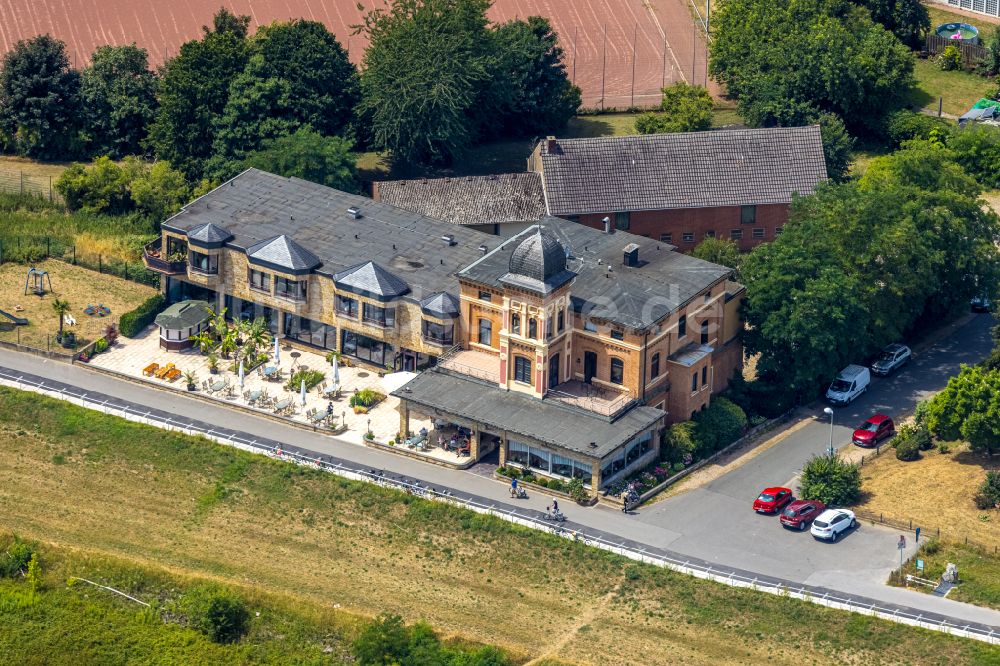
(204,340)
(61,307)
(228,345)
(255,337)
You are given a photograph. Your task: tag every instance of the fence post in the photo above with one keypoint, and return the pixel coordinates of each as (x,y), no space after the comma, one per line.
(74,255)
(48,247)
(126,270)
(100,264)
(22,181)
(50,189)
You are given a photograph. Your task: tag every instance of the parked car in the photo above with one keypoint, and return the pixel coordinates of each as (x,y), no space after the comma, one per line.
(981,303)
(830,524)
(892,358)
(800,513)
(771,500)
(849,384)
(873,431)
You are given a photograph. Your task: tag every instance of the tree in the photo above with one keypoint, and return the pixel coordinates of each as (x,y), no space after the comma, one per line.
(383,642)
(950,59)
(307,155)
(907,19)
(684,108)
(720,251)
(159,191)
(118,93)
(991,64)
(815,53)
(102,187)
(831,480)
(194,92)
(532,91)
(969,408)
(224,22)
(977,149)
(60,306)
(838,146)
(988,496)
(718,426)
(39,100)
(426,63)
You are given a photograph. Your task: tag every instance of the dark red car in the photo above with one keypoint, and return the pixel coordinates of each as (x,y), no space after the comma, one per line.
(771,500)
(800,513)
(874,431)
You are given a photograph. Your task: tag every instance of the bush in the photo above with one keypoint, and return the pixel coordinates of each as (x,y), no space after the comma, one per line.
(950,59)
(577,491)
(831,480)
(718,426)
(677,467)
(542,481)
(678,443)
(132,323)
(904,125)
(15,559)
(907,450)
(366,398)
(557,485)
(215,612)
(100,346)
(988,496)
(311,377)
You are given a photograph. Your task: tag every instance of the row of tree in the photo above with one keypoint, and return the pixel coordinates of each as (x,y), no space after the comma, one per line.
(436,78)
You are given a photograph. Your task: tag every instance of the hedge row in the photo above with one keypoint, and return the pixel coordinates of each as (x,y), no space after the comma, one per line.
(135,321)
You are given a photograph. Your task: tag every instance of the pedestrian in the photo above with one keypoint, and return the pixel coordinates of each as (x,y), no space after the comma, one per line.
(329,408)
(555,505)
(625,504)
(513,487)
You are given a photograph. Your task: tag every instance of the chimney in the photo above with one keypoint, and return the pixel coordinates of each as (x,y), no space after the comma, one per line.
(607,225)
(449,239)
(483,249)
(354,212)
(631,255)
(551,145)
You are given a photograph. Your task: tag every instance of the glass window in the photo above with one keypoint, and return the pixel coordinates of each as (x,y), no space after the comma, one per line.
(485,331)
(704,332)
(736,234)
(538,459)
(260,281)
(617,335)
(748,214)
(522,370)
(292,289)
(548,327)
(666,238)
(442,334)
(777,231)
(694,381)
(517,452)
(590,326)
(374,314)
(654,366)
(582,471)
(617,371)
(688,236)
(533,328)
(758,233)
(485,296)
(204,263)
(561,321)
(347,307)
(323,335)
(622,221)
(704,375)
(368,349)
(709,234)
(515,323)
(682,326)
(562,466)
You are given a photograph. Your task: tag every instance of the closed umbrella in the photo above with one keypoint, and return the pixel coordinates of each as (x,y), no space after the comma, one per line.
(277,352)
(302,392)
(241,373)
(336,372)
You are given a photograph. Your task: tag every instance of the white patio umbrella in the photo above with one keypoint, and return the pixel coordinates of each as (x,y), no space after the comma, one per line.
(302,392)
(336,372)
(241,374)
(277,352)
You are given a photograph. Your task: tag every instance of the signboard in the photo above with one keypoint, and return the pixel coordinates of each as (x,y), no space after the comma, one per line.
(920,565)
(902,542)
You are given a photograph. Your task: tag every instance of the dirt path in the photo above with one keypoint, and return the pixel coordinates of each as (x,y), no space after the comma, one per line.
(591,612)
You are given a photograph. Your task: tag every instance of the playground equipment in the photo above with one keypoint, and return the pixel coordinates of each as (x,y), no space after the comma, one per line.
(18,321)
(36,279)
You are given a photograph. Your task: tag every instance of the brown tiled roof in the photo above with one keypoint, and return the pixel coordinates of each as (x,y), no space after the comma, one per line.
(507,197)
(691,170)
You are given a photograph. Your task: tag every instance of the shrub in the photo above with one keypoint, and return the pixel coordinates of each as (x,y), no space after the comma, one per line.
(718,426)
(931,547)
(542,481)
(988,496)
(132,323)
(366,398)
(677,467)
(556,484)
(904,125)
(950,59)
(312,378)
(831,480)
(15,559)
(577,491)
(678,442)
(907,450)
(100,346)
(215,612)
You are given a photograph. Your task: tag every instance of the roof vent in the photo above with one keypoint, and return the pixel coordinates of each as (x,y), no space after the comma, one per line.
(631,255)
(593,445)
(483,249)
(449,239)
(354,212)
(607,225)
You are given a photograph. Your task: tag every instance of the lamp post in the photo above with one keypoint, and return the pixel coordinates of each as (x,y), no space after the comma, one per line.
(827,410)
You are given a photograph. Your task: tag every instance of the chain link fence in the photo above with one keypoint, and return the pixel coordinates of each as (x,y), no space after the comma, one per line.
(19,182)
(30,249)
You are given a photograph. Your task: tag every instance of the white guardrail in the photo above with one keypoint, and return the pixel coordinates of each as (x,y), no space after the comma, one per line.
(378,477)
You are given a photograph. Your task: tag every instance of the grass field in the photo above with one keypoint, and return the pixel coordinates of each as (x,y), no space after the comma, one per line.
(906,490)
(958,90)
(939,14)
(978,572)
(85,480)
(80,286)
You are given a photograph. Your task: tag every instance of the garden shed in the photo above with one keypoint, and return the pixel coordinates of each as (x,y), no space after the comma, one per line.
(180,321)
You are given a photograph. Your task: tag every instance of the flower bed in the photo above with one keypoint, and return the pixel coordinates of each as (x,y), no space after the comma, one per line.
(311,377)
(365,399)
(645,479)
(573,489)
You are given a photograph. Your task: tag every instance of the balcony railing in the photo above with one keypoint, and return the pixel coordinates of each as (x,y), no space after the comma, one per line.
(594,399)
(210,271)
(445,341)
(293,296)
(156,260)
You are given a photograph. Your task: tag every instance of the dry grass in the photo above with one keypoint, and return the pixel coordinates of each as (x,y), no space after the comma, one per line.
(79,286)
(89,481)
(935,491)
(32,167)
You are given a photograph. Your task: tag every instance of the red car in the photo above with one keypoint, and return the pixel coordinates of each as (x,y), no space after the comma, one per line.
(772,499)
(800,513)
(873,431)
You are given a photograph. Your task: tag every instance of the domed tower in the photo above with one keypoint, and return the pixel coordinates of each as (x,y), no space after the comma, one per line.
(538,264)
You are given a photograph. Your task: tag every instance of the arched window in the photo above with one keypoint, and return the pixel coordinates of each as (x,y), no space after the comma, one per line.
(617,371)
(515,323)
(522,370)
(533,328)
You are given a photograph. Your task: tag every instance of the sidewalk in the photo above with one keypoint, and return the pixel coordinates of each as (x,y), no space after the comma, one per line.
(600,521)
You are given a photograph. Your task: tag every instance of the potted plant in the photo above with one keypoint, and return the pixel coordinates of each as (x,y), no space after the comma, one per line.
(370,436)
(191,380)
(213,363)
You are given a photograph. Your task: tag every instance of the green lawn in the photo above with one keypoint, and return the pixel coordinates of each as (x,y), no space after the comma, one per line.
(959,90)
(978,572)
(940,14)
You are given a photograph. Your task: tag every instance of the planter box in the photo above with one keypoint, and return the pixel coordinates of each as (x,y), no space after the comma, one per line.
(528,485)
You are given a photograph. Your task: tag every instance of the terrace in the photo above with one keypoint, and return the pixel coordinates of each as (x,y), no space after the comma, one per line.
(472,364)
(171,262)
(604,401)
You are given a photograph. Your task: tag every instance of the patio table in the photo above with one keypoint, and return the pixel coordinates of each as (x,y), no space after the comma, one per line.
(284,403)
(255,395)
(270,370)
(218,386)
(319,416)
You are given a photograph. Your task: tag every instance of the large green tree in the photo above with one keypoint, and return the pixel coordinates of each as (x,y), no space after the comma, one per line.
(39,100)
(816,55)
(118,92)
(306,154)
(720,251)
(296,74)
(907,19)
(194,92)
(969,408)
(684,108)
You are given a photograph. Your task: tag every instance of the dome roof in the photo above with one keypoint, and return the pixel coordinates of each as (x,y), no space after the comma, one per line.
(538,262)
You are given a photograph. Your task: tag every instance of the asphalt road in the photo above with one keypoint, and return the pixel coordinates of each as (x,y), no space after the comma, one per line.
(715,522)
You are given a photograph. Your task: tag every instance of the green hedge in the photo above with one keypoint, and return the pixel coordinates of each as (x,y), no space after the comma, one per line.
(135,321)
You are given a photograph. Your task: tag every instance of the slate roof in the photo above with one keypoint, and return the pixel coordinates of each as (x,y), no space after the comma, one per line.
(441,305)
(549,421)
(257,205)
(538,263)
(371,280)
(208,235)
(726,167)
(690,354)
(185,314)
(283,254)
(495,199)
(636,297)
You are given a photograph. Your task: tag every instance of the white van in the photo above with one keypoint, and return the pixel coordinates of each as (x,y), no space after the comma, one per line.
(849,384)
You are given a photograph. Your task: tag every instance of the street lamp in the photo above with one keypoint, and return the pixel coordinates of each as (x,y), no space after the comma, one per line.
(827,410)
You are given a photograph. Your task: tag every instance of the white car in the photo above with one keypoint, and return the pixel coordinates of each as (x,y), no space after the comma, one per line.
(830,524)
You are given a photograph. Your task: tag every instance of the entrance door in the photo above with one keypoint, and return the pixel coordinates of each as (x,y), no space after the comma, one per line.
(409,361)
(589,366)
(554,371)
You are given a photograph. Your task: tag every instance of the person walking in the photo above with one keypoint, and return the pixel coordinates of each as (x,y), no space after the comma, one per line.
(625,504)
(513,487)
